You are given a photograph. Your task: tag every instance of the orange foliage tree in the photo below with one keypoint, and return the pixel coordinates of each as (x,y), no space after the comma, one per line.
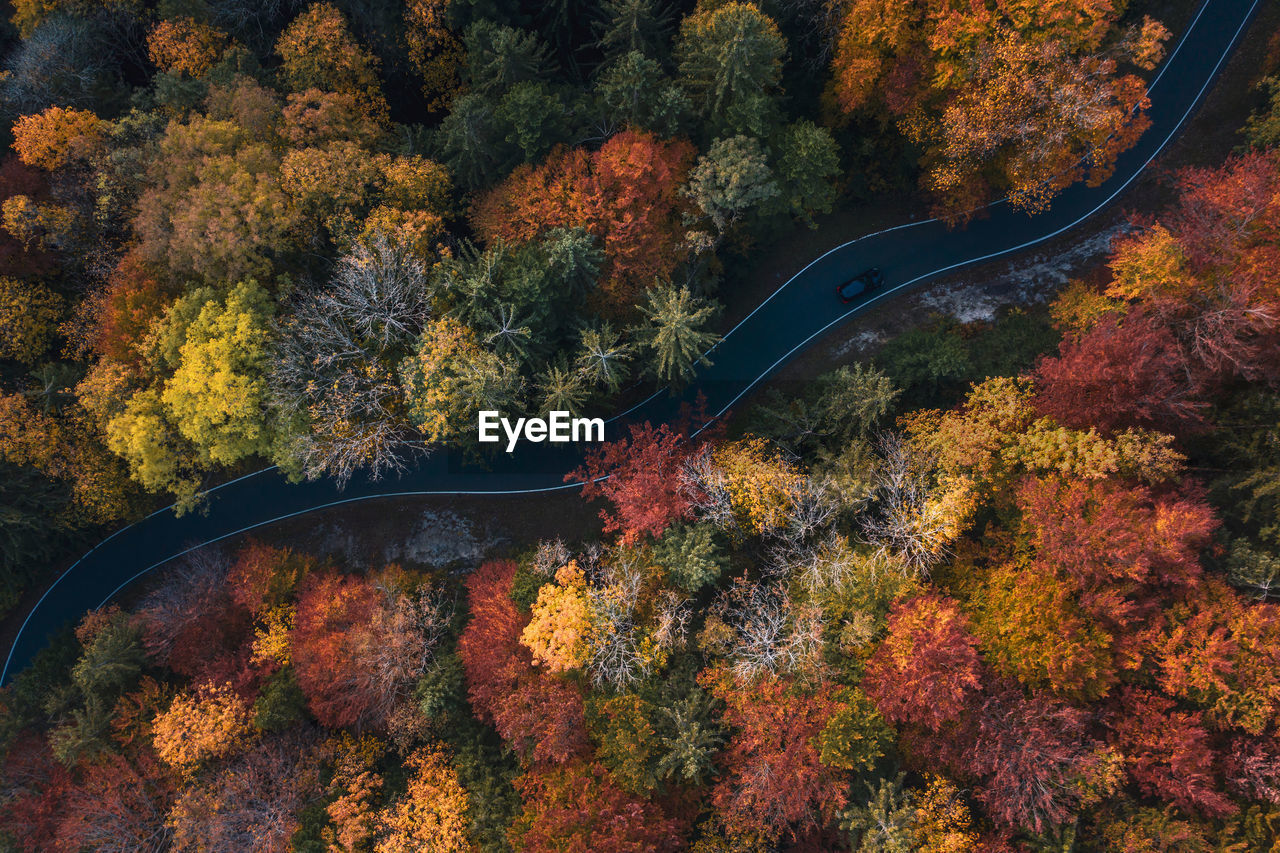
(431,815)
(185,46)
(1024,97)
(54,137)
(540,716)
(627,194)
(214,722)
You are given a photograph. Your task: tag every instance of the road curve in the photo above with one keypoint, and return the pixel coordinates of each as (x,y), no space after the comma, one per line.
(797,313)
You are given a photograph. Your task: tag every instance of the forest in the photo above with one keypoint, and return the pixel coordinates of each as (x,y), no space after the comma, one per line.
(1002,586)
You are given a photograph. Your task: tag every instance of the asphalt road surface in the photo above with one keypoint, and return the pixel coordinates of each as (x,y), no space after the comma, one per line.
(798,313)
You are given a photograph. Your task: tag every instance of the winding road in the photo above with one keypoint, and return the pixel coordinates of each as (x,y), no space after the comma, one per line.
(796,314)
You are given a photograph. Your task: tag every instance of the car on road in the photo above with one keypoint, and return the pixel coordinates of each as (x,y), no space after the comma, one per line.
(860,284)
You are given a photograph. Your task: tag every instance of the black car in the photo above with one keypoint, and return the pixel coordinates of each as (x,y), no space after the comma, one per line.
(860,284)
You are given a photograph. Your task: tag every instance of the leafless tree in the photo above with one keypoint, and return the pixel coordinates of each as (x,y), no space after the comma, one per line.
(550,556)
(335,366)
(672,614)
(706,487)
(184,594)
(615,659)
(773,633)
(407,632)
(907,520)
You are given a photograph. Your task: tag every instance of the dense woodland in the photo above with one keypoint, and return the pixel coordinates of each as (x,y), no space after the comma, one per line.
(323,236)
(1005,587)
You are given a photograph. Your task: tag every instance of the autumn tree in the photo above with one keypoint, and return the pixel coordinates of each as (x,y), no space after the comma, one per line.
(431,814)
(578,808)
(217,392)
(539,716)
(1218,652)
(57,136)
(119,803)
(359,645)
(1126,375)
(450,377)
(212,723)
(626,194)
(1038,764)
(558,627)
(638,475)
(927,670)
(1032,628)
(185,46)
(436,52)
(191,623)
(776,782)
(918,513)
(982,91)
(251,802)
(1168,752)
(29,313)
(213,206)
(317,49)
(263,577)
(762,486)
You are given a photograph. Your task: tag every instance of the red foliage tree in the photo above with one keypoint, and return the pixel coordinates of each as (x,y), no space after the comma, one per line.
(927,669)
(491,638)
(191,624)
(576,808)
(640,476)
(1130,374)
(1035,759)
(774,781)
(1099,531)
(118,804)
(542,718)
(35,788)
(539,715)
(1167,752)
(334,614)
(627,194)
(134,297)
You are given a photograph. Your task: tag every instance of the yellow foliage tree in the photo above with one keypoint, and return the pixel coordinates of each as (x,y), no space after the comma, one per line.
(318,51)
(760,483)
(558,631)
(51,138)
(355,787)
(212,723)
(43,224)
(216,397)
(29,313)
(434,50)
(450,377)
(942,820)
(431,817)
(271,637)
